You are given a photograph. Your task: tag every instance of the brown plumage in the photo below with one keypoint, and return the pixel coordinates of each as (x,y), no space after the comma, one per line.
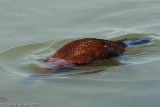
(81,52)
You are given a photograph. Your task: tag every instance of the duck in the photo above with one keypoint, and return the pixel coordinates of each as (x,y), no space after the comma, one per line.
(81,52)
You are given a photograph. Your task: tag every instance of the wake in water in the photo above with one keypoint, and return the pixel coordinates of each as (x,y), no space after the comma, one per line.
(82,52)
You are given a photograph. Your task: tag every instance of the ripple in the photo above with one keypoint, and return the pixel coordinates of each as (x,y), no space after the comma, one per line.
(21,61)
(14,57)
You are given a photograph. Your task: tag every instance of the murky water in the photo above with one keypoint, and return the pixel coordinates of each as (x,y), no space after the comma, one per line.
(31,30)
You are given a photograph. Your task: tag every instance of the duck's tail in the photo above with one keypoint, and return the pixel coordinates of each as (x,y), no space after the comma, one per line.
(136,41)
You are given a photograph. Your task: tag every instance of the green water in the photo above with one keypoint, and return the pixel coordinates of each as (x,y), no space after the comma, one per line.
(31,30)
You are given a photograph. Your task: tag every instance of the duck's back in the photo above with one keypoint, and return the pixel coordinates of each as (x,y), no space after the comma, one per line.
(89,50)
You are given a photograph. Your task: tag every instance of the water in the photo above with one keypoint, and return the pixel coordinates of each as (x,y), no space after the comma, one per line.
(31,30)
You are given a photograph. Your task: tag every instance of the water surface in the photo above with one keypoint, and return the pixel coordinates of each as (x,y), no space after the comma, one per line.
(31,30)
